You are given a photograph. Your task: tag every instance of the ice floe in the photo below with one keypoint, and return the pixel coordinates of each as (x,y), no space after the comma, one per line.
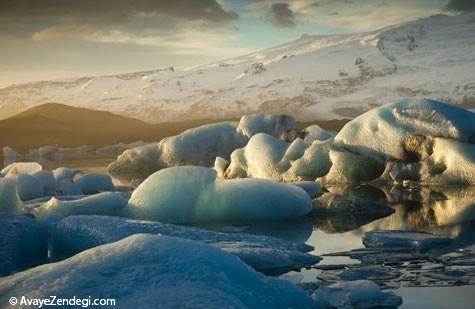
(78,233)
(189,194)
(424,141)
(149,269)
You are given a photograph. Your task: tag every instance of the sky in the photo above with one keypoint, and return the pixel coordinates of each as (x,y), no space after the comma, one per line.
(47,39)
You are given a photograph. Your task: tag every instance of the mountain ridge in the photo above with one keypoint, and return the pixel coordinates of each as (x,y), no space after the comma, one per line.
(312,78)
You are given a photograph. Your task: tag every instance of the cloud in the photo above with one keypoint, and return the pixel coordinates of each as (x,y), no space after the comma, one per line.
(465,6)
(116,11)
(281,15)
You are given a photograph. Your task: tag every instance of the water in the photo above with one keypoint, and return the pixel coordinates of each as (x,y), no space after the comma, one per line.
(447,211)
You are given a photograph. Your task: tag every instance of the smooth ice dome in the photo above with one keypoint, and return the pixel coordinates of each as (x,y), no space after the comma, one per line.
(146,269)
(355,294)
(23,242)
(387,129)
(198,146)
(189,194)
(78,233)
(403,239)
(93,183)
(106,203)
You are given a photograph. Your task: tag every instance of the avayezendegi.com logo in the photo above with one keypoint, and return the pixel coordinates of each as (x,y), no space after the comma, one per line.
(56,301)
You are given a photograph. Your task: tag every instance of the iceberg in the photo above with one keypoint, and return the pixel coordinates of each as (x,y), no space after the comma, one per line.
(188,194)
(61,173)
(388,129)
(9,199)
(198,146)
(316,133)
(179,274)
(355,294)
(21,168)
(23,242)
(106,203)
(47,179)
(78,233)
(93,183)
(29,187)
(404,239)
(425,141)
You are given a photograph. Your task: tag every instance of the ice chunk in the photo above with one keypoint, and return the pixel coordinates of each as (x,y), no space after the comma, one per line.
(106,203)
(316,133)
(274,125)
(9,199)
(23,242)
(403,239)
(261,158)
(270,158)
(355,294)
(64,173)
(93,183)
(148,269)
(29,187)
(67,187)
(47,179)
(386,129)
(21,168)
(193,194)
(78,233)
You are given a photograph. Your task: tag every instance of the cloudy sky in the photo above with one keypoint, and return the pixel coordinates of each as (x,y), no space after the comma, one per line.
(44,39)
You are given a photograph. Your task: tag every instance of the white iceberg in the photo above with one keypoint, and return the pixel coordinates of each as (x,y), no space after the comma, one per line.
(355,294)
(61,173)
(388,129)
(93,183)
(189,194)
(78,233)
(47,179)
(270,158)
(198,146)
(152,269)
(23,242)
(316,133)
(9,199)
(29,187)
(414,140)
(106,203)
(67,187)
(21,168)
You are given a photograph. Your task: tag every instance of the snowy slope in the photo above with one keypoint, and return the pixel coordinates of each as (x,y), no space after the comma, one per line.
(314,77)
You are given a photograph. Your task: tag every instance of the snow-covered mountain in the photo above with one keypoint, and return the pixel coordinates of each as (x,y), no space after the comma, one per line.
(314,77)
